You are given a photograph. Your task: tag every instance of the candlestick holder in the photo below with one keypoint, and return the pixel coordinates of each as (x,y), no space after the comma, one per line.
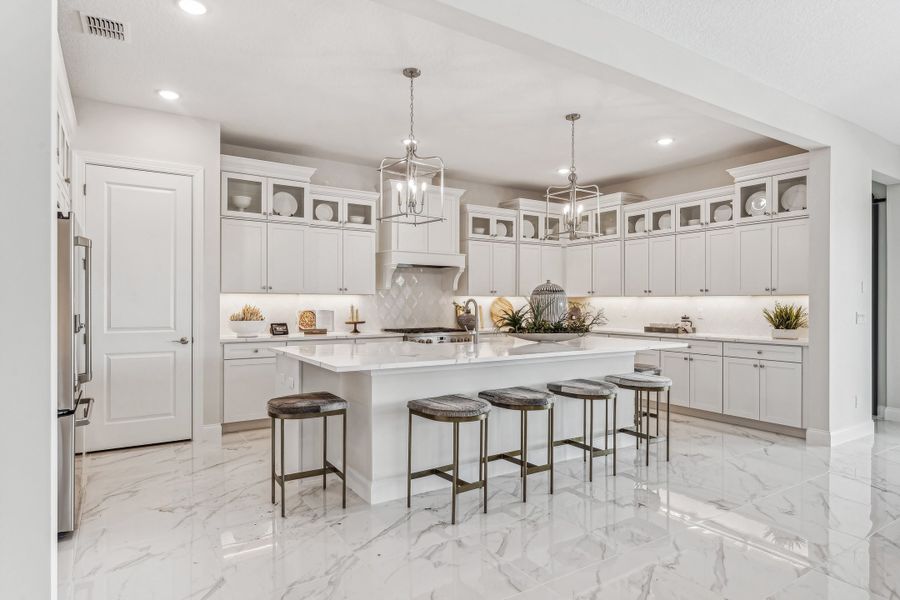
(354,323)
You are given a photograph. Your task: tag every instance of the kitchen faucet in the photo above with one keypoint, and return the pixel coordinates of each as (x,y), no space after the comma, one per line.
(477,318)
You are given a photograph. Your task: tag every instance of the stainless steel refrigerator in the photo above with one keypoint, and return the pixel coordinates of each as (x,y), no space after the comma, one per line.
(74,357)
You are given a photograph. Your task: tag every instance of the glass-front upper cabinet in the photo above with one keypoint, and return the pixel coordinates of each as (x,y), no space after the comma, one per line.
(635,222)
(790,191)
(552,227)
(662,219)
(505,228)
(608,222)
(489,226)
(244,196)
(288,199)
(531,226)
(358,213)
(325,211)
(690,216)
(719,211)
(754,199)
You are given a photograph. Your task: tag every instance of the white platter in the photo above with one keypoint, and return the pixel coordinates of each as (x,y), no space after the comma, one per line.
(284,204)
(756,204)
(722,214)
(639,225)
(528,230)
(324,212)
(665,221)
(794,198)
(502,231)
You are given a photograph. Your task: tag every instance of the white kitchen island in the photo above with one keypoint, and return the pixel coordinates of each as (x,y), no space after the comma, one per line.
(378,379)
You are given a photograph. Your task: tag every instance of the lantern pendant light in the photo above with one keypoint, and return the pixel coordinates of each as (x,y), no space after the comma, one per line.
(577,199)
(412,187)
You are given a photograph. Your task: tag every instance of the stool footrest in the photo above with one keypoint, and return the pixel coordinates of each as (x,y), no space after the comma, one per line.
(329,468)
(579,443)
(513,457)
(630,431)
(461,484)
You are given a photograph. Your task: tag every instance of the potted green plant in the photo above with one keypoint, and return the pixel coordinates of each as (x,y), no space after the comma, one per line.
(530,323)
(786,320)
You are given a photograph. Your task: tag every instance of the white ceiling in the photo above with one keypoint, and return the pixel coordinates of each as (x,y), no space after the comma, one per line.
(840,55)
(322,78)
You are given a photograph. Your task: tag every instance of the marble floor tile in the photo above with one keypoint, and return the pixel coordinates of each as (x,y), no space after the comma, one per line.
(195,521)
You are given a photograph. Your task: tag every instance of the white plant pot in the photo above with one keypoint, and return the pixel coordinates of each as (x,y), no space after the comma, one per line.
(786,334)
(247,328)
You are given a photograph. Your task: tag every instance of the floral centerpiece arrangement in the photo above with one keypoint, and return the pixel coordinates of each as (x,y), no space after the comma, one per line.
(248,322)
(530,322)
(786,319)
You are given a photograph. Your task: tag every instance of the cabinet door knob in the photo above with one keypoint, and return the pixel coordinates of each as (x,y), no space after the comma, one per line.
(755,366)
(768,290)
(685,358)
(759,351)
(762,366)
(262,287)
(773,289)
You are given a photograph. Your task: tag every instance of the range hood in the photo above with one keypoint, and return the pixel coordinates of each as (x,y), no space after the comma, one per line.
(388,262)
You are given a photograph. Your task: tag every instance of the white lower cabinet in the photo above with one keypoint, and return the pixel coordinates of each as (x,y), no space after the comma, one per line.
(766,390)
(780,392)
(248,385)
(696,380)
(491,268)
(675,366)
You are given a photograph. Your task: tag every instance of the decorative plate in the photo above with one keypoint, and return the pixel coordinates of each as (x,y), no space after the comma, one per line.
(756,204)
(306,319)
(498,307)
(502,230)
(528,230)
(665,221)
(722,213)
(639,225)
(794,198)
(284,204)
(545,337)
(324,212)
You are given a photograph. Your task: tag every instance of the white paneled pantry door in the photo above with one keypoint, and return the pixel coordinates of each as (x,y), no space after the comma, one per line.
(140,225)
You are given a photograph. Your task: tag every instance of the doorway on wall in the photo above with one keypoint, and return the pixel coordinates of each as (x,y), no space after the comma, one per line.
(879,299)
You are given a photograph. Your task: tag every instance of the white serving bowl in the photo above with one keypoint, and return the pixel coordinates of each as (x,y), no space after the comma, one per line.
(609,230)
(478,230)
(357,219)
(693,221)
(247,328)
(241,202)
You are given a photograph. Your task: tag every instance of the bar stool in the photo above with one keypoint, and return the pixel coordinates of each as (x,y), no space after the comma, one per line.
(589,390)
(312,405)
(524,400)
(641,384)
(456,409)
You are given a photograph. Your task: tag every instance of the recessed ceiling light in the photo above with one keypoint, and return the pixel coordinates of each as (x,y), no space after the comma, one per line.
(666,141)
(168,94)
(192,7)
(563,170)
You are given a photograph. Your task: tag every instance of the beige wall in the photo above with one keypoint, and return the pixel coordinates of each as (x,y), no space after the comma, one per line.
(696,177)
(152,135)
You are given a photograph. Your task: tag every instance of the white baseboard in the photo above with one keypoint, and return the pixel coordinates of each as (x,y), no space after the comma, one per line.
(209,433)
(822,437)
(891,413)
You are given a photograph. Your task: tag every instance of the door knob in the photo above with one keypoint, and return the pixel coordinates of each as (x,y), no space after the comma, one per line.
(182,340)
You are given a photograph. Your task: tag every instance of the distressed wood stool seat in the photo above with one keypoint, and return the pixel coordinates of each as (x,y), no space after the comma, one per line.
(524,400)
(589,391)
(313,405)
(644,384)
(455,409)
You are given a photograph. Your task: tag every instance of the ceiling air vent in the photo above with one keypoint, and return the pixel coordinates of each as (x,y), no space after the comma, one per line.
(105,28)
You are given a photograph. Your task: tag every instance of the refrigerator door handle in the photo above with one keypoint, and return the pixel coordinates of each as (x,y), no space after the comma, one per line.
(85,419)
(88,323)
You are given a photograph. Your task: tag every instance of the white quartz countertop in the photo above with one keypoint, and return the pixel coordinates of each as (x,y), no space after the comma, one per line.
(713,337)
(378,356)
(226,338)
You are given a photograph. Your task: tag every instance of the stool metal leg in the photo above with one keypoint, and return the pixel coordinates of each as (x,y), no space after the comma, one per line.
(668,411)
(591,445)
(550,444)
(647,441)
(455,472)
(657,413)
(282,468)
(344,459)
(484,459)
(524,456)
(409,463)
(481,452)
(324,449)
(606,425)
(585,426)
(637,417)
(273,460)
(615,430)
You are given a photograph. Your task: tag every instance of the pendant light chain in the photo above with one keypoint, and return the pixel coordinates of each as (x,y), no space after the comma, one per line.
(573,147)
(411,110)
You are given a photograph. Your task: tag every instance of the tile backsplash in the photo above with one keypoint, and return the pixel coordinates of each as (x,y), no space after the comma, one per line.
(416,298)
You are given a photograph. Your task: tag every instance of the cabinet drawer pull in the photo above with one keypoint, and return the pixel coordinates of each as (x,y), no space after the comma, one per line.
(768,289)
(685,358)
(759,351)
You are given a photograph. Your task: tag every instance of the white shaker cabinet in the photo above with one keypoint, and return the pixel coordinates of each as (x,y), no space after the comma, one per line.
(754,243)
(741,377)
(579,270)
(721,262)
(637,275)
(676,366)
(323,261)
(478,268)
(552,265)
(790,257)
(248,385)
(780,392)
(690,261)
(243,256)
(661,266)
(607,269)
(358,271)
(706,382)
(285,258)
(531,271)
(491,268)
(503,269)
